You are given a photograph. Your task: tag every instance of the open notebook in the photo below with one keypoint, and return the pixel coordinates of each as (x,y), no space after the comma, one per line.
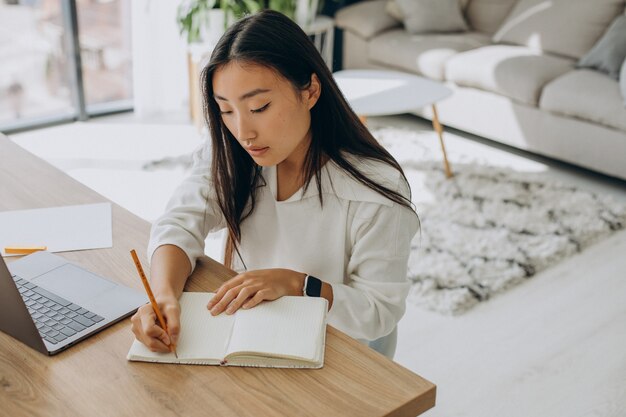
(286,333)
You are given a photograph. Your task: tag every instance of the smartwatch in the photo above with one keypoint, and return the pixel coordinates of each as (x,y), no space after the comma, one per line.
(312,286)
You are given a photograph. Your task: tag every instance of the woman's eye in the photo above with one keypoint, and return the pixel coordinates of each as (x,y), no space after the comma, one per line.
(225,112)
(259,110)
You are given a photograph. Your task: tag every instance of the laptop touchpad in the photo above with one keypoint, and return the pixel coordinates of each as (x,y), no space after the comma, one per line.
(73,283)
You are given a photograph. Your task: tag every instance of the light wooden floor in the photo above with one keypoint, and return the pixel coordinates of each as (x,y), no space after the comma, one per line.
(553,346)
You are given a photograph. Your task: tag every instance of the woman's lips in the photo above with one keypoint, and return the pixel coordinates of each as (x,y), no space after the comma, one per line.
(257,151)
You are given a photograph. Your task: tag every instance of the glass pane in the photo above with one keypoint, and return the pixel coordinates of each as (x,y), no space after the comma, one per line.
(104,34)
(34,70)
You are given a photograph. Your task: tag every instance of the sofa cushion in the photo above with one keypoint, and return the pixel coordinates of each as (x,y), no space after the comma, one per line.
(565,27)
(365,19)
(588,95)
(609,52)
(486,16)
(421,54)
(516,72)
(422,16)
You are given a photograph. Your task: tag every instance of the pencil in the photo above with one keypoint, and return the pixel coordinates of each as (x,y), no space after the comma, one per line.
(155,306)
(23,250)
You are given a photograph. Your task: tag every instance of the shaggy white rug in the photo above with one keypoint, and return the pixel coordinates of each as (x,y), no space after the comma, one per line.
(489,228)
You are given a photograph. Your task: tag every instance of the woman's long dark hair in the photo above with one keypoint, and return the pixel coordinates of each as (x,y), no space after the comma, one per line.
(271,39)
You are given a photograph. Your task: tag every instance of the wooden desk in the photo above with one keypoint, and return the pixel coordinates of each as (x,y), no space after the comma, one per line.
(93,378)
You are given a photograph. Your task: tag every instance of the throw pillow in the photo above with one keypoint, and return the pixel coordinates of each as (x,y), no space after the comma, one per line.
(365,19)
(622,81)
(486,16)
(565,27)
(609,52)
(393,10)
(421,16)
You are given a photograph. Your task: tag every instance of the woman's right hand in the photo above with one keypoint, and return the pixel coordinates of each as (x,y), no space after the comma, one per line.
(146,328)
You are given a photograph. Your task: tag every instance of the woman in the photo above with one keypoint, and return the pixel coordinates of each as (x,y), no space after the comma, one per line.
(301,186)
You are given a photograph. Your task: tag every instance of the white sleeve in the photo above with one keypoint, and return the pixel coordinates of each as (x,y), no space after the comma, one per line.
(372,301)
(191,213)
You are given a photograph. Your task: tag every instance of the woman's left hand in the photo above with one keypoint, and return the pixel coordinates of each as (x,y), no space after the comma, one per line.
(250,288)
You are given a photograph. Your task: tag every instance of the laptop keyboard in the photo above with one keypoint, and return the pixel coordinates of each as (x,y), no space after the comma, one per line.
(55,317)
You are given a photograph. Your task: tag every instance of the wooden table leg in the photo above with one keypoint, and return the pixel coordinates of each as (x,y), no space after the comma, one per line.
(439,130)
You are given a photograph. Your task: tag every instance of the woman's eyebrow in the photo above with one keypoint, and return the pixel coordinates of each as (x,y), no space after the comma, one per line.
(247,95)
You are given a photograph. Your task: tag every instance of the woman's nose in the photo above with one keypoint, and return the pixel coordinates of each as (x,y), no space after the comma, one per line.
(245,130)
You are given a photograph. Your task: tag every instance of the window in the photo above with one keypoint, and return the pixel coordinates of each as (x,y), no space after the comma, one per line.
(43,81)
(104,37)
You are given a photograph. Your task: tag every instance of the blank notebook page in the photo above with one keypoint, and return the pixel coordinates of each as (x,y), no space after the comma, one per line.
(289,326)
(203,335)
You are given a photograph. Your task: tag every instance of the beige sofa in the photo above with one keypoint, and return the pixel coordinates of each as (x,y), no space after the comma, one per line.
(513,84)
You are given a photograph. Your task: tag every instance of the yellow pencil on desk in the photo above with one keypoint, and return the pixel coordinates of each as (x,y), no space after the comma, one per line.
(153,302)
(23,250)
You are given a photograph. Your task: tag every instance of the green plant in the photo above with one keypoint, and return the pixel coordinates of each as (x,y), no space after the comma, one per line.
(239,8)
(192,16)
(286,7)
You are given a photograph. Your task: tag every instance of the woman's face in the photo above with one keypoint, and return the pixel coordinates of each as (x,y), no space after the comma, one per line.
(262,110)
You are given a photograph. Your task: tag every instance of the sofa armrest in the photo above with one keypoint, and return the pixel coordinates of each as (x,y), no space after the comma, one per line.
(365,19)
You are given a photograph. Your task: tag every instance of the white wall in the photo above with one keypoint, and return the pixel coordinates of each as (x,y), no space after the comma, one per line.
(159,58)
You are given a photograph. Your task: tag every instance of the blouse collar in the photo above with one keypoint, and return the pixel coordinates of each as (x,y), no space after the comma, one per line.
(335,181)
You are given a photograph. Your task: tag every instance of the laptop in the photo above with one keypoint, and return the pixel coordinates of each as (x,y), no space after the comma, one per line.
(50,304)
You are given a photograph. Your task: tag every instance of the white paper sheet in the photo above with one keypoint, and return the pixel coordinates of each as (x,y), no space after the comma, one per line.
(85,226)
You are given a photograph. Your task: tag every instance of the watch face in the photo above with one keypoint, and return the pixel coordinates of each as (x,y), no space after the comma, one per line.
(313,286)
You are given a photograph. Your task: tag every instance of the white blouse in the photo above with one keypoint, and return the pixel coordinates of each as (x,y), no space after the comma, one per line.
(358,242)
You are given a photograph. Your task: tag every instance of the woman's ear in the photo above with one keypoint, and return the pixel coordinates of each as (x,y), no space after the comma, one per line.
(313,91)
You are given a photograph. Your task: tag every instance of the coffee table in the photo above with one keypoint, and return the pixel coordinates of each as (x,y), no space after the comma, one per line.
(385,92)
